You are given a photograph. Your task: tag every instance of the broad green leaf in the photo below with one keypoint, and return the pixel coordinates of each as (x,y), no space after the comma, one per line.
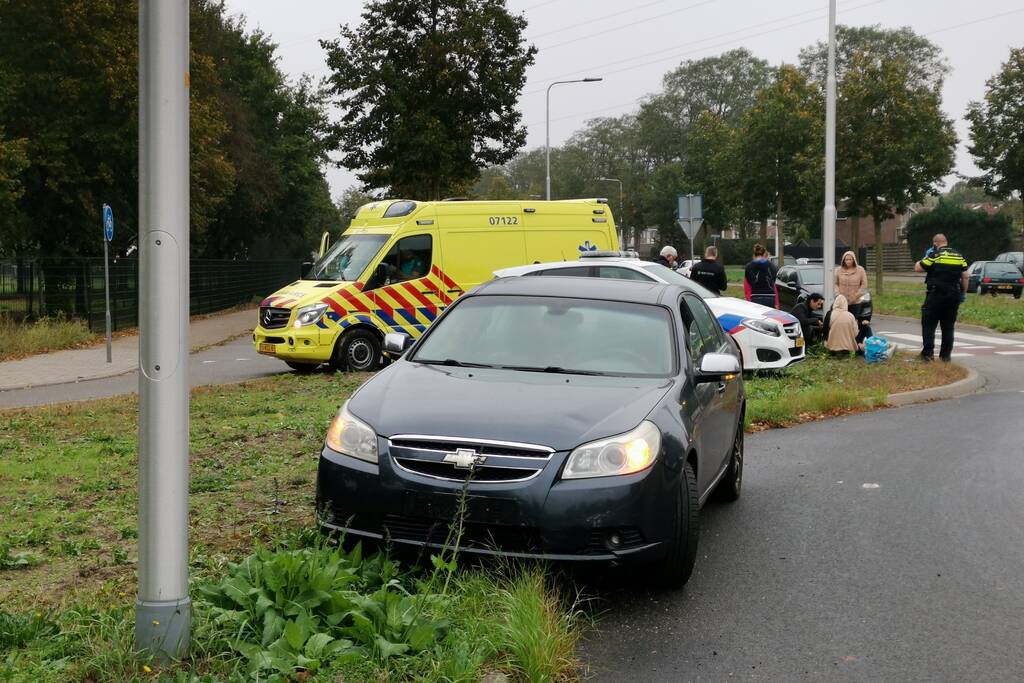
(388,649)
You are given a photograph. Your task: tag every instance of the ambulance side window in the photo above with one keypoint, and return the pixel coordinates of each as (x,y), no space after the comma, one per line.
(409,259)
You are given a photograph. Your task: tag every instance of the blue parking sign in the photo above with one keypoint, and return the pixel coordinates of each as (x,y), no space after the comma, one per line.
(108,222)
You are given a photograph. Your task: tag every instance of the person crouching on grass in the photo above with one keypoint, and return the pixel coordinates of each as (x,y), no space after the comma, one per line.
(842,330)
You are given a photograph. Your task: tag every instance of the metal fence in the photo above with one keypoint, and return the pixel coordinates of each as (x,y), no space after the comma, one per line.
(73,287)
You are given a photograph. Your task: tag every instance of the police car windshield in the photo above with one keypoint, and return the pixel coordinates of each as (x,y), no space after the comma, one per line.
(554,335)
(673,278)
(347,259)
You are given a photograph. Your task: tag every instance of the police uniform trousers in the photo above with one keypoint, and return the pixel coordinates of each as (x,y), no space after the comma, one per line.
(939,309)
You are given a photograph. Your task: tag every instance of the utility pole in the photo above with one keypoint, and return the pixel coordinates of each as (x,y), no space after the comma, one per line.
(163,612)
(828,224)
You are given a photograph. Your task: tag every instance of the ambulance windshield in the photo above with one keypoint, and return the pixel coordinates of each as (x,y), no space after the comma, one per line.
(347,259)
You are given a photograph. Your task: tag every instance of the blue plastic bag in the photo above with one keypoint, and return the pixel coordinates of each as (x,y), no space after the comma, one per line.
(876,349)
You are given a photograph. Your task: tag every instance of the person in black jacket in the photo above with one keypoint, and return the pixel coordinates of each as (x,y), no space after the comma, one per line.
(759,278)
(710,272)
(812,326)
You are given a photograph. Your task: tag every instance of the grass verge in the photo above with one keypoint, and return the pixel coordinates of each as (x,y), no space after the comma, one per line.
(68,554)
(48,334)
(1001,313)
(823,386)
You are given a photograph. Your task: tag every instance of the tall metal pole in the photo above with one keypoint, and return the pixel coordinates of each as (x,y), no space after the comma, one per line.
(162,609)
(547,128)
(828,225)
(106,289)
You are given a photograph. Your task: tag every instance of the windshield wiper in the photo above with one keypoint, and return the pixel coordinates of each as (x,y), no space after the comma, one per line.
(451,362)
(551,369)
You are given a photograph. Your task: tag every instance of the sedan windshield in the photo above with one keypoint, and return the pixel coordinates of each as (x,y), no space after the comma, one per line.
(553,335)
(674,278)
(812,276)
(347,259)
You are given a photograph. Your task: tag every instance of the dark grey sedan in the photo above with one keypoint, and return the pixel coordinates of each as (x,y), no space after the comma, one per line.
(586,420)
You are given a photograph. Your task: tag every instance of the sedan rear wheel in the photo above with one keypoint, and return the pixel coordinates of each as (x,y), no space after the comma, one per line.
(675,569)
(730,486)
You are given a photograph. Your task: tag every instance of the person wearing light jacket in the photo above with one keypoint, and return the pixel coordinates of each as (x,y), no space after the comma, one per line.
(851,280)
(842,329)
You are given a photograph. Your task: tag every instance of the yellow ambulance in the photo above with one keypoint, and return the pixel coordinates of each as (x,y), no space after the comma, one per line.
(401,263)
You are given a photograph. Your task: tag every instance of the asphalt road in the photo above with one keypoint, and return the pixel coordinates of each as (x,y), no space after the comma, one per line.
(880,547)
(234,361)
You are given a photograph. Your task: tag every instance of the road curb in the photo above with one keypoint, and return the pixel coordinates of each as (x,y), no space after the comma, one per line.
(968,385)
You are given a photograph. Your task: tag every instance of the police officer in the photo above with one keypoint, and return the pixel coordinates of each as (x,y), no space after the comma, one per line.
(947,284)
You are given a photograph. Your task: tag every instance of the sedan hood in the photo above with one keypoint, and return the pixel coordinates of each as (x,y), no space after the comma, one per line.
(554,410)
(731,312)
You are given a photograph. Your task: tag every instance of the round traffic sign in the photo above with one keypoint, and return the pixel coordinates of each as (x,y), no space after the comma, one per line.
(108,222)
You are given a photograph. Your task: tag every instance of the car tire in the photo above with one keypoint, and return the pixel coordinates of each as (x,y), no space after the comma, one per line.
(730,486)
(357,351)
(1017,292)
(981,291)
(302,368)
(675,568)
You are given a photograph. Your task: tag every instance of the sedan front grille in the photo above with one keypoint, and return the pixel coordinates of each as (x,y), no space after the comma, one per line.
(455,459)
(274,318)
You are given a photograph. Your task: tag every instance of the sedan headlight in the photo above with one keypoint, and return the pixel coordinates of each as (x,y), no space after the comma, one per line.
(762,326)
(624,454)
(351,436)
(309,315)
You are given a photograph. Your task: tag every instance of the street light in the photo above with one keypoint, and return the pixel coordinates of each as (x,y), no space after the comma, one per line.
(547,125)
(828,225)
(616,180)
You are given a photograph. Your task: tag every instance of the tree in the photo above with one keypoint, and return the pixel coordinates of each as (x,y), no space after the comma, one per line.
(899,145)
(974,233)
(427,93)
(997,130)
(725,85)
(859,45)
(779,143)
(711,169)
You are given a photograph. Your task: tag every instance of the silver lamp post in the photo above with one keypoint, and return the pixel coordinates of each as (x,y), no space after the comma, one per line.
(828,225)
(547,126)
(622,217)
(163,612)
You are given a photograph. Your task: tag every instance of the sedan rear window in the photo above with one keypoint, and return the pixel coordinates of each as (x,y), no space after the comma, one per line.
(551,334)
(1001,270)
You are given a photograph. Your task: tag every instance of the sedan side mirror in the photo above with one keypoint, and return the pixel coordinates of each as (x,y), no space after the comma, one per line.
(716,367)
(396,343)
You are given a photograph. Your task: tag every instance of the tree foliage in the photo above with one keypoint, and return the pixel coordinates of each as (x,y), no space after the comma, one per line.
(974,234)
(997,129)
(427,92)
(69,143)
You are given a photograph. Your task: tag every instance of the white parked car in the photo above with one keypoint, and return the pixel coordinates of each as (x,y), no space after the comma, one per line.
(767,338)
(686,266)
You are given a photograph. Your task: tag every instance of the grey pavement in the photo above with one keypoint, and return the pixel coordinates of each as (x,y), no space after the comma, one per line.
(76,365)
(878,547)
(234,361)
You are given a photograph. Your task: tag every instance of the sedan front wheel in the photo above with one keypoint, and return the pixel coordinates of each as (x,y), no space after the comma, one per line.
(675,569)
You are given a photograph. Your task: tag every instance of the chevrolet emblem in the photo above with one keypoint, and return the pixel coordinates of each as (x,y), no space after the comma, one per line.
(464,459)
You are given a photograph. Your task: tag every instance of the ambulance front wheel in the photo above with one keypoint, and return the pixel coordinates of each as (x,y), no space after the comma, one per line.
(358,351)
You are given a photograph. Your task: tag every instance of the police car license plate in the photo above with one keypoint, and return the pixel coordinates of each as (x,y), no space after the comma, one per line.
(267,348)
(799,342)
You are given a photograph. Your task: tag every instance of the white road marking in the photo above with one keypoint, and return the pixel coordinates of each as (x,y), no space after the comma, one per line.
(208,361)
(241,359)
(961,355)
(978,348)
(1010,353)
(869,486)
(986,340)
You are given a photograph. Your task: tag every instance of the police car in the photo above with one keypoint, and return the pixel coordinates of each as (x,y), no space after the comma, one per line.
(767,338)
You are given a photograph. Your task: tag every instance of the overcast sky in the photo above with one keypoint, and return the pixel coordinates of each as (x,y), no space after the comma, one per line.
(632,47)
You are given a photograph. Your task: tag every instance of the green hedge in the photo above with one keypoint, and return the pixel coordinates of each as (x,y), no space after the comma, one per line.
(974,234)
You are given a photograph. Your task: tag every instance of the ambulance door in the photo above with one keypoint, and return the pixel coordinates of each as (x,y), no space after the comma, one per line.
(406,293)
